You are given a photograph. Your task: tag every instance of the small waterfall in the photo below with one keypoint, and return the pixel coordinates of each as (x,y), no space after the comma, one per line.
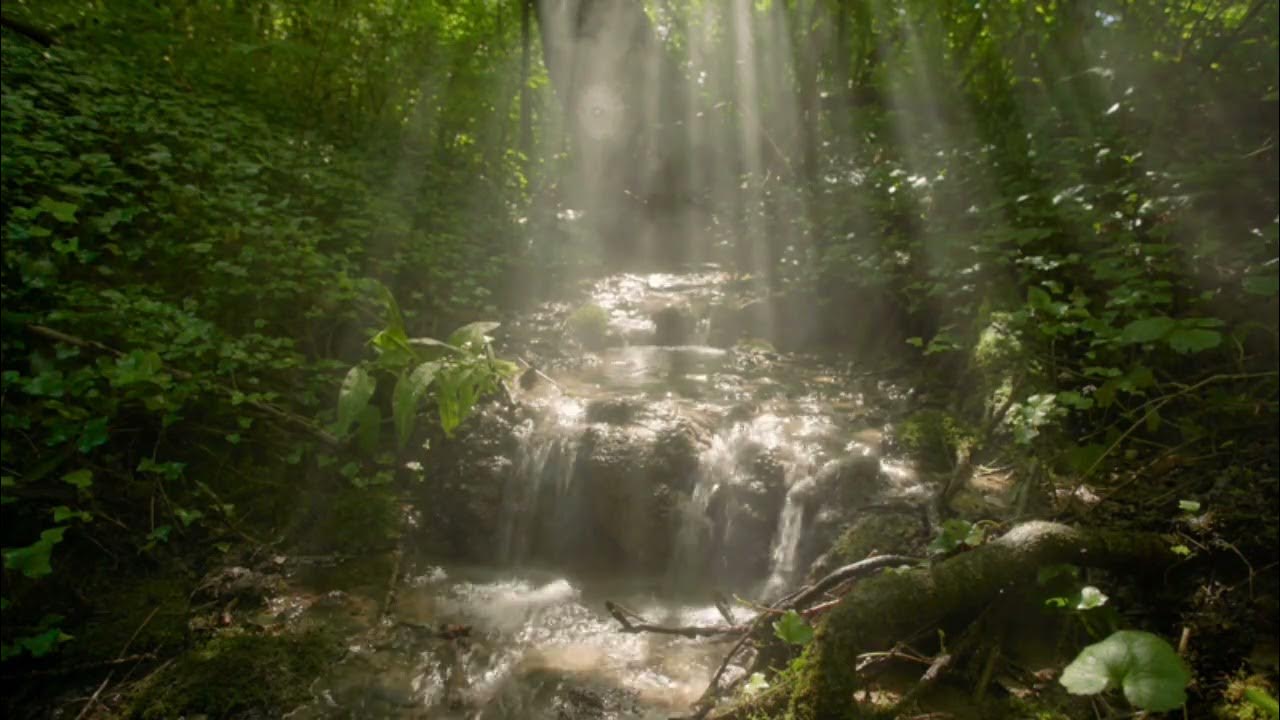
(540,506)
(786,543)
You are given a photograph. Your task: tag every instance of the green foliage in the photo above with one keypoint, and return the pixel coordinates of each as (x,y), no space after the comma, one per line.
(792,629)
(186,249)
(454,375)
(956,533)
(1143,665)
(935,437)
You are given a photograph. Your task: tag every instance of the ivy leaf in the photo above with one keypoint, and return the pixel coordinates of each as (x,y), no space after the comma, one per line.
(63,513)
(33,560)
(61,211)
(81,479)
(953,534)
(44,643)
(792,629)
(93,434)
(1143,665)
(187,516)
(355,394)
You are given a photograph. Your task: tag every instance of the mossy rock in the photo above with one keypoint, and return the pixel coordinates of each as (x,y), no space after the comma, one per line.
(124,605)
(885,533)
(589,325)
(232,676)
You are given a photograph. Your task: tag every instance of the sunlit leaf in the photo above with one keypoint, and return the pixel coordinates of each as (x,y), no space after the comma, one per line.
(1143,665)
(356,392)
(792,629)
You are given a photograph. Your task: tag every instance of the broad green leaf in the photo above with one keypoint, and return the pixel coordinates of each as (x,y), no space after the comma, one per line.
(1143,665)
(355,394)
(1147,330)
(1265,285)
(1187,340)
(792,629)
(369,429)
(409,390)
(473,334)
(33,560)
(1190,506)
(82,479)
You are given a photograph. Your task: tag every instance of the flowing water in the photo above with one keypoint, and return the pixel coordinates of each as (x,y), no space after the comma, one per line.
(659,476)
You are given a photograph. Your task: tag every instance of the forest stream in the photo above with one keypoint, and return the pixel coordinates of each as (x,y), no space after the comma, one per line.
(740,440)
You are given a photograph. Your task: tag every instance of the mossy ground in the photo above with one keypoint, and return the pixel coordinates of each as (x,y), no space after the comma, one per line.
(234,675)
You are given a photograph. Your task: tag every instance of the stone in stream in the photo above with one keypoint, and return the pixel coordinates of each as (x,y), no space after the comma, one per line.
(744,516)
(674,325)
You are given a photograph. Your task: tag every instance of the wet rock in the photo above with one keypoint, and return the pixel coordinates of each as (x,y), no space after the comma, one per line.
(868,533)
(614,411)
(463,489)
(744,516)
(674,325)
(248,587)
(850,481)
(629,501)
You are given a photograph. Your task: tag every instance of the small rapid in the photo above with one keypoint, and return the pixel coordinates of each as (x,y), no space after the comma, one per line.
(665,458)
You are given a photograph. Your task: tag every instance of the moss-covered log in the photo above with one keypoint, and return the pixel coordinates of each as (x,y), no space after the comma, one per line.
(891,606)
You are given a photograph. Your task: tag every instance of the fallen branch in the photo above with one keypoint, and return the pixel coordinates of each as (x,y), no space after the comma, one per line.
(625,617)
(840,575)
(282,415)
(82,667)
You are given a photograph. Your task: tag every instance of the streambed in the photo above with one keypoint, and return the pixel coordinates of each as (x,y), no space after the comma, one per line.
(666,456)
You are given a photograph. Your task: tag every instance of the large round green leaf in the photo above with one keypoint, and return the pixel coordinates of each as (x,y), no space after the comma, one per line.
(1143,665)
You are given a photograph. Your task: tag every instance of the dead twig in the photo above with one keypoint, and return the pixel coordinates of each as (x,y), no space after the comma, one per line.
(94,697)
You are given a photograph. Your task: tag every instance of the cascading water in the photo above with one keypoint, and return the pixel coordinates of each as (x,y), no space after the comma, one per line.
(651,474)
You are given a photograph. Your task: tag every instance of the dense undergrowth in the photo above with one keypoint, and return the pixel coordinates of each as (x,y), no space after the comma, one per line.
(187,277)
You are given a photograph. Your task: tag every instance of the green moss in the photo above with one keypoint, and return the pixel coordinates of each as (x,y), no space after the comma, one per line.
(885,533)
(235,674)
(1236,706)
(588,325)
(123,606)
(353,520)
(935,437)
(997,347)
